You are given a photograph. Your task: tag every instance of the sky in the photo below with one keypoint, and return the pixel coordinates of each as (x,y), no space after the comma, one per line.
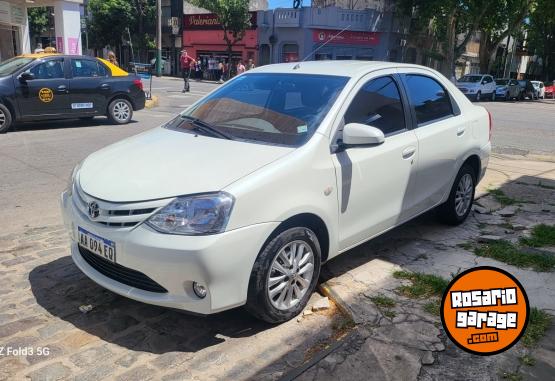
(284,3)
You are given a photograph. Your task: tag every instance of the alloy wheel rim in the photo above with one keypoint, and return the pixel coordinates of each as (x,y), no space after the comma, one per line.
(463,195)
(121,111)
(290,275)
(2,118)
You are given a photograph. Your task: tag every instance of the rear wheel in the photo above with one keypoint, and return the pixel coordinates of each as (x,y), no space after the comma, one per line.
(284,275)
(5,119)
(478,96)
(120,111)
(457,207)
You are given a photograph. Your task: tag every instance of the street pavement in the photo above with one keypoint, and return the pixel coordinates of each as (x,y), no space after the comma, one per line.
(41,290)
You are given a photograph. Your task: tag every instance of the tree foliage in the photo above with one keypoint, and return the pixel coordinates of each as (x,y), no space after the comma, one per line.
(109,20)
(38,20)
(541,36)
(233,15)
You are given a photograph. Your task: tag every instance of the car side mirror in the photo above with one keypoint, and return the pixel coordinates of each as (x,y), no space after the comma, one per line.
(26,76)
(358,134)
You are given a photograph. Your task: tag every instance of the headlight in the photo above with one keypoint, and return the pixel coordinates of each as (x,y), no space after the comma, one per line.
(71,179)
(194,215)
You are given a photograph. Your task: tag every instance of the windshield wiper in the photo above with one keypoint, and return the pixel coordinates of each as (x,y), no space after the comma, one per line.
(206,127)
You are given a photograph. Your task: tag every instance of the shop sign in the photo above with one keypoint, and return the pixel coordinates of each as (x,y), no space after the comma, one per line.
(346,37)
(208,21)
(11,13)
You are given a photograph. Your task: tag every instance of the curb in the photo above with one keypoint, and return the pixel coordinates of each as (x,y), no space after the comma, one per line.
(339,302)
(153,102)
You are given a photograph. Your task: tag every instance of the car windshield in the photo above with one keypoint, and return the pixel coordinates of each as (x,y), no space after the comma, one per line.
(470,78)
(282,109)
(502,82)
(10,66)
(522,83)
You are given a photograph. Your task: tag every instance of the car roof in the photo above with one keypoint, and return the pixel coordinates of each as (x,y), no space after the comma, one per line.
(115,70)
(346,68)
(39,55)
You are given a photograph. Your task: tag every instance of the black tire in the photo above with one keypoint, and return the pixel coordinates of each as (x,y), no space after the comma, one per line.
(447,211)
(5,119)
(258,299)
(493,97)
(120,111)
(478,96)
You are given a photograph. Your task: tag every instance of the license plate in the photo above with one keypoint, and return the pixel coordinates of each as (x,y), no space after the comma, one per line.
(98,245)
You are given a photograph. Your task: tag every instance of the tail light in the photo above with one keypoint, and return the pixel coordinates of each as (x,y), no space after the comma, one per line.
(490,125)
(138,83)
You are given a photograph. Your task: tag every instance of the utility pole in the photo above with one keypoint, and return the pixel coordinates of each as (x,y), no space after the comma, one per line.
(159,38)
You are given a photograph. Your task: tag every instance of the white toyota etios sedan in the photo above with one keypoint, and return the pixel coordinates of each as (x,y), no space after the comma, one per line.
(242,197)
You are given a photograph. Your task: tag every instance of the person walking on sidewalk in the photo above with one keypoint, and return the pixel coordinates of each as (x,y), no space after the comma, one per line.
(240,67)
(221,72)
(187,64)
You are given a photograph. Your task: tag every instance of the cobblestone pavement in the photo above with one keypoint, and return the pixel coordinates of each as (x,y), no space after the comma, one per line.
(405,342)
(41,292)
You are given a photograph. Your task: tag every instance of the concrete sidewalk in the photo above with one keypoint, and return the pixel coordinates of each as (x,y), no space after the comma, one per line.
(401,338)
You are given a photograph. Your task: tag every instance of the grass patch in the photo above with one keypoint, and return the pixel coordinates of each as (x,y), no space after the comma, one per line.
(511,254)
(423,285)
(512,376)
(389,314)
(383,301)
(465,245)
(537,325)
(528,360)
(433,307)
(542,235)
(502,198)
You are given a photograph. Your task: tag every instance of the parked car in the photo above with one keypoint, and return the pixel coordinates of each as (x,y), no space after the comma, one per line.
(240,199)
(507,88)
(550,90)
(477,86)
(35,87)
(539,88)
(527,90)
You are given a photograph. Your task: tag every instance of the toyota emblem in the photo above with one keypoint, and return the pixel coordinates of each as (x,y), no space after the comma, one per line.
(94,210)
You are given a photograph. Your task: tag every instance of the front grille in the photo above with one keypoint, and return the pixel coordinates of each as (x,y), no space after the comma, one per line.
(115,214)
(120,273)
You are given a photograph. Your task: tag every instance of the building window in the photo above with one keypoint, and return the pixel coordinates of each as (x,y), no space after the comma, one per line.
(290,53)
(264,58)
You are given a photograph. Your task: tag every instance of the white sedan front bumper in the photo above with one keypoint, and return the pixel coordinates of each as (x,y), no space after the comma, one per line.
(220,262)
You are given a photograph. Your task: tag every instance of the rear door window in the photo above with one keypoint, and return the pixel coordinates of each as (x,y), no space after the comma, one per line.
(428,97)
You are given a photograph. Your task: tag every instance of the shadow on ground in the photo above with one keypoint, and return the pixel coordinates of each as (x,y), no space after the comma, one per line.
(61,288)
(64,123)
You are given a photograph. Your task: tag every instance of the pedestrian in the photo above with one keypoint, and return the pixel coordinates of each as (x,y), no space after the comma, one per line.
(240,67)
(39,48)
(187,64)
(221,71)
(250,65)
(112,58)
(198,70)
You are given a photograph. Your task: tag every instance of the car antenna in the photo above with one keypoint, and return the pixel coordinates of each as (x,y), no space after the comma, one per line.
(321,46)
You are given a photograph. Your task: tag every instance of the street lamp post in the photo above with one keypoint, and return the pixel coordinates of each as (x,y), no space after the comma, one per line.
(159,38)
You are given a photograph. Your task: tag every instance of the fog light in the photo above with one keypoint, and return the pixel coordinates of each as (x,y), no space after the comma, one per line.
(199,290)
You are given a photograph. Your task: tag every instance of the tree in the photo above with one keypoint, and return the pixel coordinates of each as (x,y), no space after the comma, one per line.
(234,18)
(38,21)
(541,36)
(109,20)
(452,22)
(504,19)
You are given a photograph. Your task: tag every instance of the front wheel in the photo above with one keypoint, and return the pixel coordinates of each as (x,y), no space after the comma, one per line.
(493,96)
(284,275)
(120,111)
(5,119)
(478,96)
(457,207)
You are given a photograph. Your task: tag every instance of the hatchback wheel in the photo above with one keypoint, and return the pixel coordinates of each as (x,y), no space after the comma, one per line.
(284,275)
(457,207)
(120,111)
(5,119)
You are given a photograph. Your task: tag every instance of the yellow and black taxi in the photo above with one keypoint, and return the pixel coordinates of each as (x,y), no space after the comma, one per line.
(45,86)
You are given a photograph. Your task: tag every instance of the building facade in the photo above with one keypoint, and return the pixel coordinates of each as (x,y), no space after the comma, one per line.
(14,26)
(329,33)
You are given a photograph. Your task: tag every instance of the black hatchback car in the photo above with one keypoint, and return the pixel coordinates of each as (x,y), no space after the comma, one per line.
(45,86)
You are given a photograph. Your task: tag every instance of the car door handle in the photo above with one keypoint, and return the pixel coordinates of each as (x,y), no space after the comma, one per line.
(62,89)
(408,152)
(460,131)
(105,86)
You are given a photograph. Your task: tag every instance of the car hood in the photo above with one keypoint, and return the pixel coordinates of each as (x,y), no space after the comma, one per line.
(164,163)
